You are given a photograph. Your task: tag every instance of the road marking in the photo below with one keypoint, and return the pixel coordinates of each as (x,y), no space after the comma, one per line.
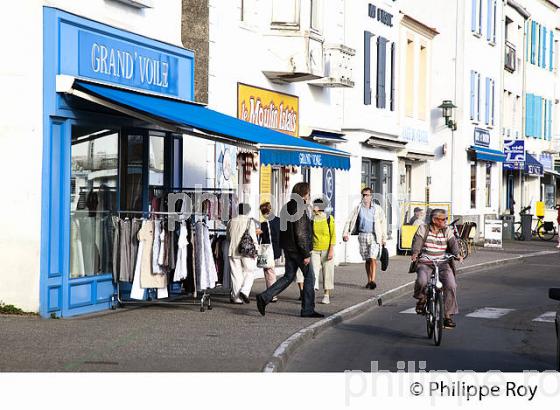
(548,317)
(490,313)
(410,311)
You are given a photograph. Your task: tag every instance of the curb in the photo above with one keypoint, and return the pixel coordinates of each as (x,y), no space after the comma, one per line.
(288,347)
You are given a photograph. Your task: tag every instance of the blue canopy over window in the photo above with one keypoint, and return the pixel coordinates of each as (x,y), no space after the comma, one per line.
(533,166)
(487,154)
(275,147)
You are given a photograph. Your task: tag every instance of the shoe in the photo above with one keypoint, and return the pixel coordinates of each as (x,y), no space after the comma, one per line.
(261,305)
(326,300)
(372,285)
(367,285)
(448,323)
(244,297)
(235,301)
(420,306)
(312,314)
(274,299)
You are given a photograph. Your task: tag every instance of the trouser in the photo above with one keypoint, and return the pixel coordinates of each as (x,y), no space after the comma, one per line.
(447,279)
(269,277)
(242,276)
(323,268)
(293,262)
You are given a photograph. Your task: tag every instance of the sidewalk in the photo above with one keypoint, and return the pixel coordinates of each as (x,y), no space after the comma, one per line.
(230,338)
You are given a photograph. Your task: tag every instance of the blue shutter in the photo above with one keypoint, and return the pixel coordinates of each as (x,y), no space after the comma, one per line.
(544,48)
(533,41)
(487,105)
(545,122)
(367,68)
(472,94)
(480,17)
(393,64)
(541,45)
(494,25)
(473,15)
(381,71)
(478,97)
(528,115)
(549,120)
(493,94)
(551,50)
(489,20)
(540,117)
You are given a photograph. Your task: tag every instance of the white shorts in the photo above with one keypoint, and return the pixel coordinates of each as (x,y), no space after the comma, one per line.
(369,248)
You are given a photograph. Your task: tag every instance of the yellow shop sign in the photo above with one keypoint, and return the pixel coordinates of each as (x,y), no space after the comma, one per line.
(268,109)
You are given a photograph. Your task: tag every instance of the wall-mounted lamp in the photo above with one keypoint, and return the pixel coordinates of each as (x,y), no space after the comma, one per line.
(447,112)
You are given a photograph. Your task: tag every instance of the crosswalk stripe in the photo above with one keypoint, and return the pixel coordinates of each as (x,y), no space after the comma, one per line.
(409,311)
(490,313)
(546,317)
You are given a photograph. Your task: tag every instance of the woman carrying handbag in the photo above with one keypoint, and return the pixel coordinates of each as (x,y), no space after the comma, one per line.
(242,236)
(270,249)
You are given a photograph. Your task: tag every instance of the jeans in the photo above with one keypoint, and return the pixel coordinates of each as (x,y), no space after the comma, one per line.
(293,262)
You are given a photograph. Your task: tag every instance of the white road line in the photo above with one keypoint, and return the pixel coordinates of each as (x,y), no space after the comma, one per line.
(410,311)
(490,313)
(546,317)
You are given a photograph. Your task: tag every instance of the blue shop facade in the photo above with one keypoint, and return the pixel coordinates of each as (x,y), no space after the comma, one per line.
(99,159)
(116,107)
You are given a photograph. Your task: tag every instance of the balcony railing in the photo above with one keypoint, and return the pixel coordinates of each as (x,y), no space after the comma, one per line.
(510,58)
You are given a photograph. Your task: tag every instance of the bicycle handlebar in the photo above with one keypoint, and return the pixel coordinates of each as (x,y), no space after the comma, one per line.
(524,210)
(445,258)
(454,222)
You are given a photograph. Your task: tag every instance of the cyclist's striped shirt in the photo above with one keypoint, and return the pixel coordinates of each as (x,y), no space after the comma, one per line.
(435,245)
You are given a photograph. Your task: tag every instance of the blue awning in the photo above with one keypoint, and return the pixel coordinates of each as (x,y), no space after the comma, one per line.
(533,166)
(487,154)
(276,148)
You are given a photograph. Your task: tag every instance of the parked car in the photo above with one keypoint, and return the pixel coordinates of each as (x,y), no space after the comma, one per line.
(554,293)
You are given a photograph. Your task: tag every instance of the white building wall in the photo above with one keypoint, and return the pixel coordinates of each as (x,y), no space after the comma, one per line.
(21,126)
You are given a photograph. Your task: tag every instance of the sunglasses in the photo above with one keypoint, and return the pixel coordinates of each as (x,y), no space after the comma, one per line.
(366,194)
(441,219)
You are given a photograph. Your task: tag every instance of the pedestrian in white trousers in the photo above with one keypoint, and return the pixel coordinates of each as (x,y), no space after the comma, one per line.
(242,268)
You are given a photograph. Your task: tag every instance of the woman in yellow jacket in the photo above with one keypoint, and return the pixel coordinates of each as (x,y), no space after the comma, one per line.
(322,256)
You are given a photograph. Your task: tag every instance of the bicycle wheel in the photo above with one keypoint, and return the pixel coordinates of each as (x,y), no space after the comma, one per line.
(517,234)
(545,235)
(438,318)
(430,317)
(463,248)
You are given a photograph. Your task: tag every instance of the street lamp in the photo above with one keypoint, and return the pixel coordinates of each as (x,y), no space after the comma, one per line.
(447,107)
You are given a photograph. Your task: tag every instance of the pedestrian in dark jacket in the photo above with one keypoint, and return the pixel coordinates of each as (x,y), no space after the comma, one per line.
(296,240)
(270,235)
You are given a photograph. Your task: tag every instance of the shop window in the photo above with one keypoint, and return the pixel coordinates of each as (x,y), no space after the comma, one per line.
(93,199)
(156,160)
(473,185)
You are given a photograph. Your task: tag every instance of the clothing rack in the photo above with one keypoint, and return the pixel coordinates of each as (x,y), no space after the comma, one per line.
(205,301)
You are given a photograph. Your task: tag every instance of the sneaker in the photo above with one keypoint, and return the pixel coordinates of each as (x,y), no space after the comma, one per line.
(448,323)
(244,297)
(326,300)
(372,285)
(235,301)
(274,299)
(261,305)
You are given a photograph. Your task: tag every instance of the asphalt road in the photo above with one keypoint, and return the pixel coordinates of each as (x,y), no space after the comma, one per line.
(496,329)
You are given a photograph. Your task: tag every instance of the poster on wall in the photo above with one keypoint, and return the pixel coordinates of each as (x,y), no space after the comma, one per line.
(492,233)
(329,188)
(226,166)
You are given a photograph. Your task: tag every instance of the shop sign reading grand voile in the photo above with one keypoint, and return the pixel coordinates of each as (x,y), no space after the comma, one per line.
(115,61)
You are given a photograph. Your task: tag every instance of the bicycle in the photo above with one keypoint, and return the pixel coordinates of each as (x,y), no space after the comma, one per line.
(463,245)
(544,230)
(433,309)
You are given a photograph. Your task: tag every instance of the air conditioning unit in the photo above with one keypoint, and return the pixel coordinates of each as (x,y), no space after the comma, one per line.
(295,58)
(338,67)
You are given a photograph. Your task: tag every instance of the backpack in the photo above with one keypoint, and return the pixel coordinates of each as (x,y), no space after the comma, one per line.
(247,247)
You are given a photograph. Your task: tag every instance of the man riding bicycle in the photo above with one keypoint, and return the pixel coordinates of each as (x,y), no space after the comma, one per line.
(435,240)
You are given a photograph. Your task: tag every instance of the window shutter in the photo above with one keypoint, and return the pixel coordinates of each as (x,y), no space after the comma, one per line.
(551,67)
(494,26)
(540,117)
(489,20)
(545,120)
(480,17)
(544,48)
(549,120)
(487,105)
(393,58)
(381,71)
(478,97)
(472,94)
(367,67)
(473,15)
(493,105)
(533,41)
(529,115)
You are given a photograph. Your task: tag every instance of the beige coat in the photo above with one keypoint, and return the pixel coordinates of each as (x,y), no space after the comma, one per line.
(380,223)
(235,229)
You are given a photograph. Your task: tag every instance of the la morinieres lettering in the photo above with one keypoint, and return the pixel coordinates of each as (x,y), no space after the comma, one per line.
(123,64)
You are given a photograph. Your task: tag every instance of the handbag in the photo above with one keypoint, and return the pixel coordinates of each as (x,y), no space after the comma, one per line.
(265,257)
(247,248)
(384,258)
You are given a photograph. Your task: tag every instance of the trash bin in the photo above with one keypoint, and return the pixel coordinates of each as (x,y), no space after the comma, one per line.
(508,228)
(526,227)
